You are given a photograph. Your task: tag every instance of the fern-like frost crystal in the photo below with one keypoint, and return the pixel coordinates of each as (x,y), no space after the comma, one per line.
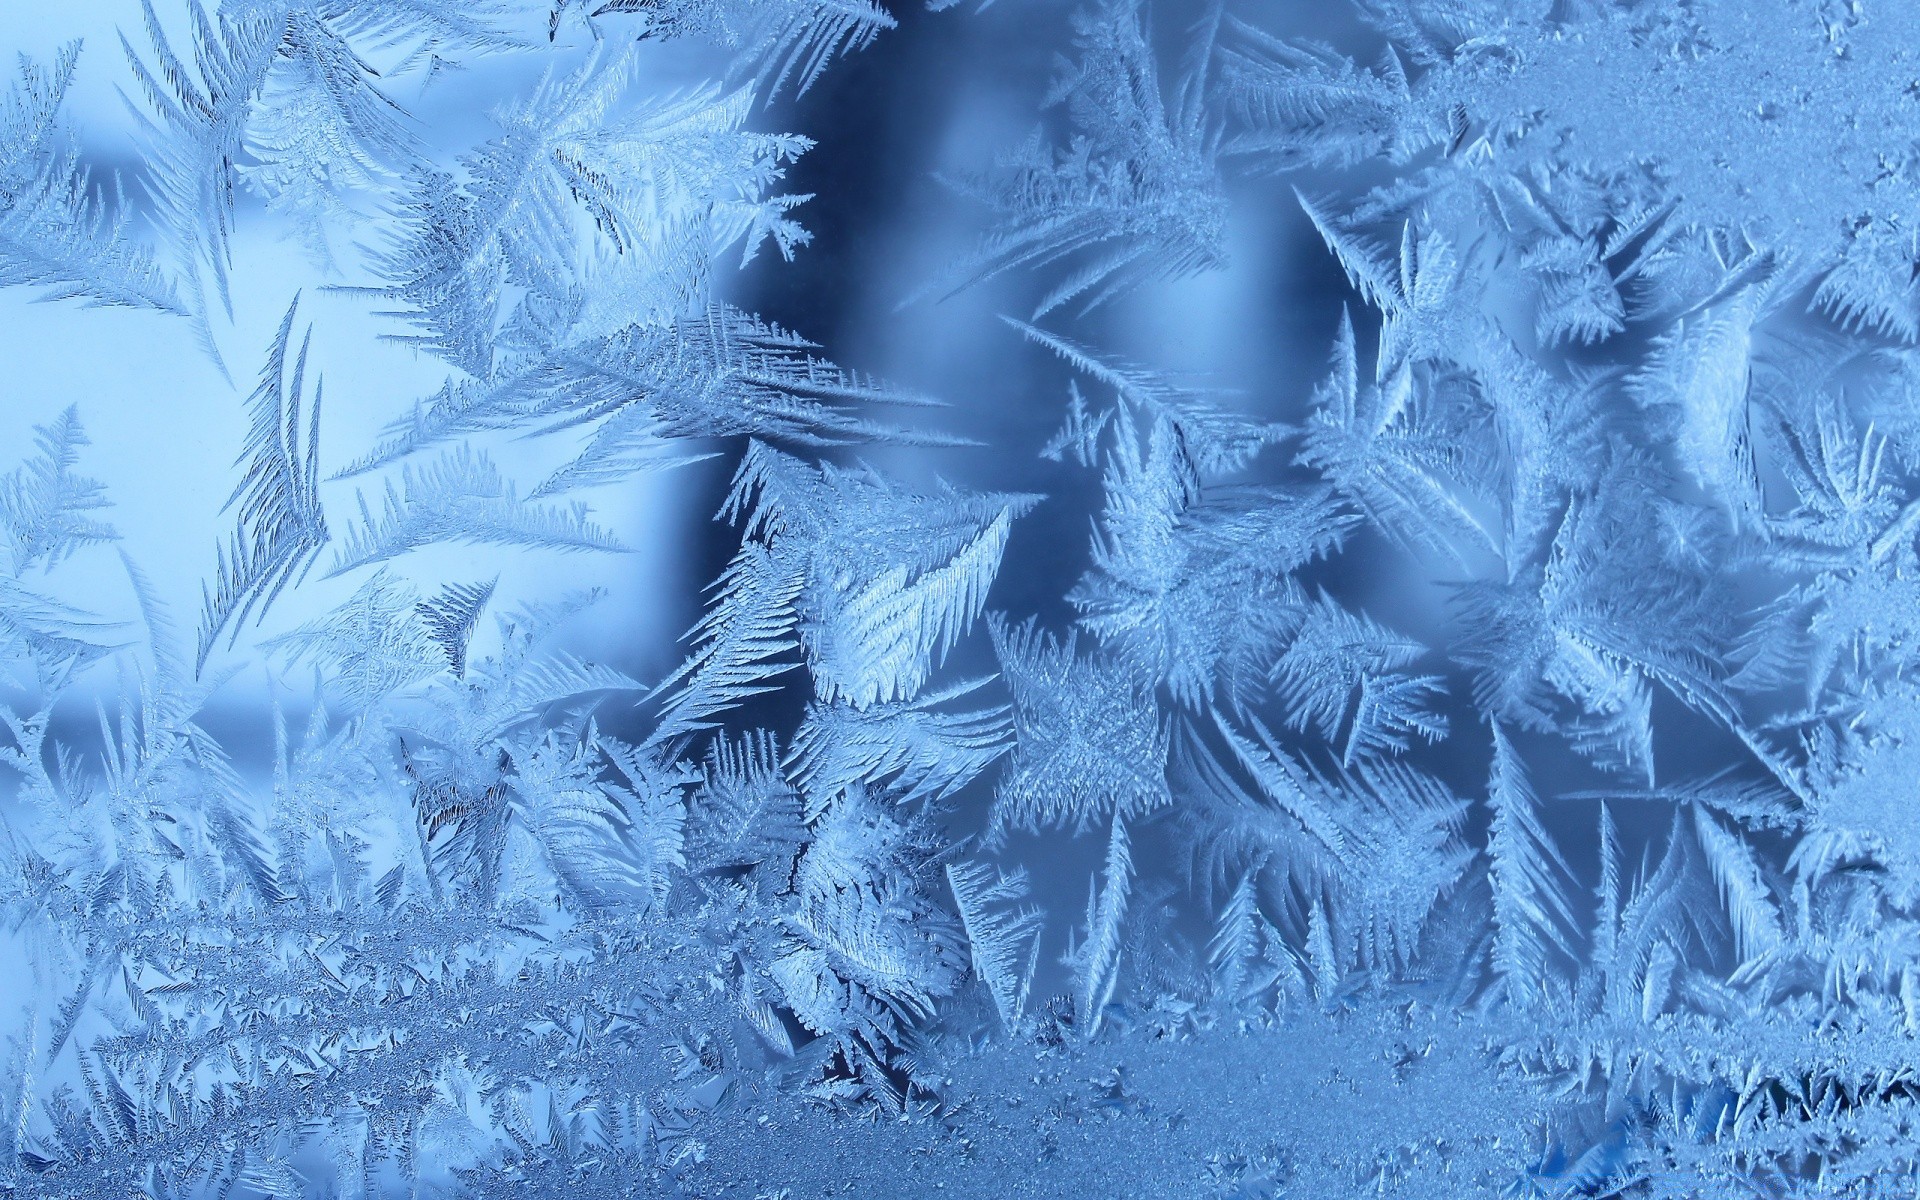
(1120,748)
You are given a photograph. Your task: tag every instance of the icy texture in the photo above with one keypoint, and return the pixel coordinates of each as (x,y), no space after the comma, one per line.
(1490,770)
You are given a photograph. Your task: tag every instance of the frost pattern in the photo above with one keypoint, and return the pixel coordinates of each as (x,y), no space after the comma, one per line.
(1604,882)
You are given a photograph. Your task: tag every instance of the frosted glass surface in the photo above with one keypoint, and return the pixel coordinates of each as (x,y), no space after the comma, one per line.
(914,598)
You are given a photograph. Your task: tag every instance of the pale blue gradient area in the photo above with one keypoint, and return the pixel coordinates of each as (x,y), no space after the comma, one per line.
(167,425)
